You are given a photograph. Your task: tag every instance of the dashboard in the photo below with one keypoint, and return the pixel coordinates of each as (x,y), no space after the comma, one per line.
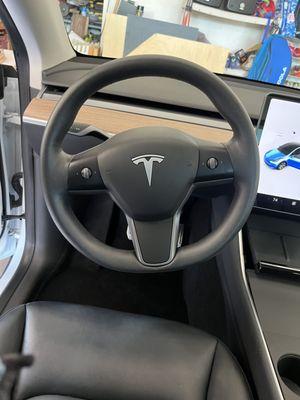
(111,118)
(278,134)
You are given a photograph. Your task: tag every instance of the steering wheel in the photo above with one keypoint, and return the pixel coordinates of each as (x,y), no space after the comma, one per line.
(150,172)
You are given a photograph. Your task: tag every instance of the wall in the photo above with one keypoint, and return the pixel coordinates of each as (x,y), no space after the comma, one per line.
(41,26)
(229,34)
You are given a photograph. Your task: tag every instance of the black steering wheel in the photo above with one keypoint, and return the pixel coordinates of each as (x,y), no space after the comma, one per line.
(150,172)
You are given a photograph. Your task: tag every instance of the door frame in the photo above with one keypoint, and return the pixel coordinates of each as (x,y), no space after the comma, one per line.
(23,76)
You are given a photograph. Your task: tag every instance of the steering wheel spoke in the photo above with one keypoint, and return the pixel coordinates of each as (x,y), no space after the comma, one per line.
(215,165)
(155,242)
(84,173)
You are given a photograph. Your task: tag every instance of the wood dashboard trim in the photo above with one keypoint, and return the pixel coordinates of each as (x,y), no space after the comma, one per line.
(113,121)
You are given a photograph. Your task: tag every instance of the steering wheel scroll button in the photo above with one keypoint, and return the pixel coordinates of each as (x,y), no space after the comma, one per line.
(86,173)
(215,163)
(212,163)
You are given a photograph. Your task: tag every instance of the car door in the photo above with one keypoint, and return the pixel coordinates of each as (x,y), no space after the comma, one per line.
(294,159)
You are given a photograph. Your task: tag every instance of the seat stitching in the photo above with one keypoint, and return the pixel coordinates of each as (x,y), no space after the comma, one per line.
(241,370)
(238,366)
(244,376)
(211,370)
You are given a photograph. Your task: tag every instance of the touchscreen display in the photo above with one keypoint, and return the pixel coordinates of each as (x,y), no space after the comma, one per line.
(279,148)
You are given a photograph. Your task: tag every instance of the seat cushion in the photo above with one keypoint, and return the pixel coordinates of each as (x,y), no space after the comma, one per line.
(91,353)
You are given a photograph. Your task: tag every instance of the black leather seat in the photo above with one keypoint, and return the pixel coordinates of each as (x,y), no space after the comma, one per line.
(90,353)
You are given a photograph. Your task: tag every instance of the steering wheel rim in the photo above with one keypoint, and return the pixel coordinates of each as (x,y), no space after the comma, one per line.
(54,161)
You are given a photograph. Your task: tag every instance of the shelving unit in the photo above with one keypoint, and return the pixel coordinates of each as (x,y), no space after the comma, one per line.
(92,27)
(239,18)
(8,58)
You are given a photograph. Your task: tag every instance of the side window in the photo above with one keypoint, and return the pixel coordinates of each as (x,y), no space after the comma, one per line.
(287,148)
(83,23)
(297,153)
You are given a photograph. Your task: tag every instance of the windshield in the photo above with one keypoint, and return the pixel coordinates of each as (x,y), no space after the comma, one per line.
(256,40)
(288,148)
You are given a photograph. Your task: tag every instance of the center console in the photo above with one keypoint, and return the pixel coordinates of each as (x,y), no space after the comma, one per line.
(273,239)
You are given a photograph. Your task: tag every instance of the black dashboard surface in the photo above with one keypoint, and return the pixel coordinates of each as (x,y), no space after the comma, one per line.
(252,94)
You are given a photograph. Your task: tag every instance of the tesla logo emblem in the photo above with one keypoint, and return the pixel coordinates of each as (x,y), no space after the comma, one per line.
(148,160)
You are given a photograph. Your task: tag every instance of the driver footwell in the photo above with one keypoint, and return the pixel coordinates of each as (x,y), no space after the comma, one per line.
(193,296)
(80,281)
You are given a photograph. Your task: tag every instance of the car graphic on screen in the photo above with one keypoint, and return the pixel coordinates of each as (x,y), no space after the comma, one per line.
(287,155)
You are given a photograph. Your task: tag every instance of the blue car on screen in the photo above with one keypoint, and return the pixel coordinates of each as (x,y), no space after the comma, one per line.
(287,155)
